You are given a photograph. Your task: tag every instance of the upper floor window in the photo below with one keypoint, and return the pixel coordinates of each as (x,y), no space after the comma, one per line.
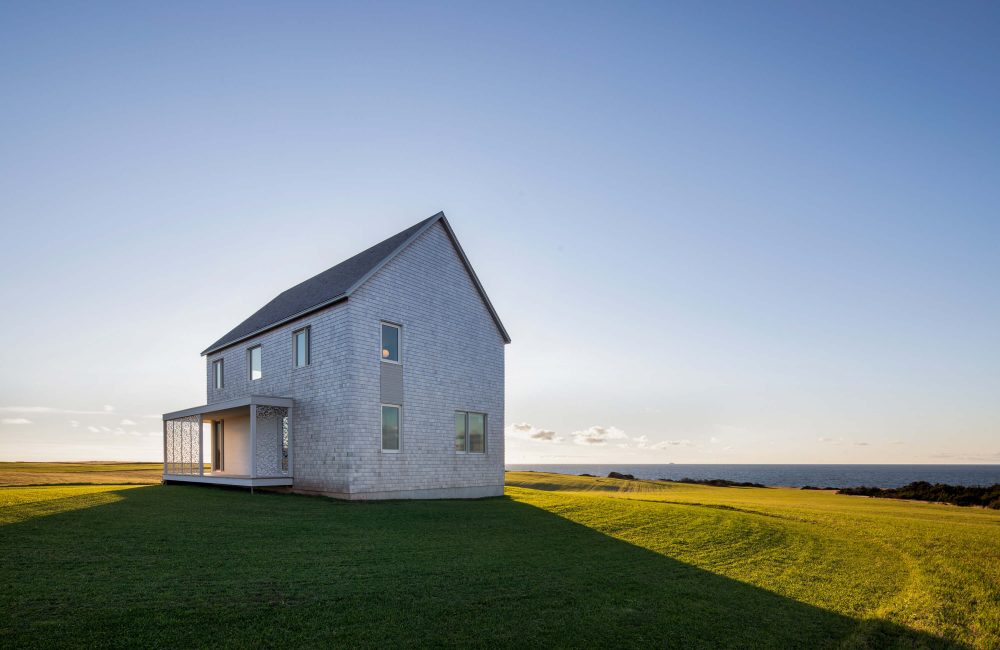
(470,432)
(253,361)
(217,374)
(300,340)
(390,427)
(390,342)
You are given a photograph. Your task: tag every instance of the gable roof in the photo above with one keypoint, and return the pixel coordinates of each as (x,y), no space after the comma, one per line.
(339,282)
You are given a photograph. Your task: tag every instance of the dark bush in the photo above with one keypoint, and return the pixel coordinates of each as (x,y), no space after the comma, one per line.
(959,495)
(626,477)
(715,482)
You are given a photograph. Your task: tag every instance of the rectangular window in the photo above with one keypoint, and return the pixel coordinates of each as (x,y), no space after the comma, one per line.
(390,343)
(470,432)
(461,431)
(300,339)
(253,355)
(217,372)
(477,433)
(390,427)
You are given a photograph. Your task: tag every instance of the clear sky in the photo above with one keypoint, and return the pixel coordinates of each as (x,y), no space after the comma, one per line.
(717,232)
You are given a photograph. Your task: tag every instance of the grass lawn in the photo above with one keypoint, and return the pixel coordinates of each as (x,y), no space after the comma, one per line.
(559,561)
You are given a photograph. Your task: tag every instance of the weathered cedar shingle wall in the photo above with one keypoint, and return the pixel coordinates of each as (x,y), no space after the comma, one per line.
(452,359)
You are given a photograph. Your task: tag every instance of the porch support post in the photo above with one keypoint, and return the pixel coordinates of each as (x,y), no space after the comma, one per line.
(253,440)
(164,446)
(201,445)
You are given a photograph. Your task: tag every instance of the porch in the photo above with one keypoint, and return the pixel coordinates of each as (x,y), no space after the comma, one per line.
(248,442)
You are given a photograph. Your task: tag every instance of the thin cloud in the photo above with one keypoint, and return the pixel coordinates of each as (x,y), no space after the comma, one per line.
(527,431)
(15,421)
(598,435)
(861,444)
(52,409)
(127,423)
(672,443)
(93,429)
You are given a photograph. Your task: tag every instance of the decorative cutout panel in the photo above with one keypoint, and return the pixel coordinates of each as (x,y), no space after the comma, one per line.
(183,440)
(272,441)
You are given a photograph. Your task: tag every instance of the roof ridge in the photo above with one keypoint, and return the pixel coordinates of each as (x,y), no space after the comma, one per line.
(325,287)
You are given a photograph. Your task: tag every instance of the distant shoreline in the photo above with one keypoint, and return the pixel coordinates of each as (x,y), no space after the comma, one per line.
(789,475)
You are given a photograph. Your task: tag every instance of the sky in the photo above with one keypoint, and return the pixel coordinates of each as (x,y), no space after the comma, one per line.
(727,232)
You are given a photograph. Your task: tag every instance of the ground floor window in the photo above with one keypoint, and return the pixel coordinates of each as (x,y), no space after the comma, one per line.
(390,427)
(470,432)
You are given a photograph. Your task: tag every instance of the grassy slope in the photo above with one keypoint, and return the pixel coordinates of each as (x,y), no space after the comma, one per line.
(927,566)
(559,561)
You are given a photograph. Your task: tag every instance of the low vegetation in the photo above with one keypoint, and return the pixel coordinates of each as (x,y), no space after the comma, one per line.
(714,482)
(959,495)
(559,561)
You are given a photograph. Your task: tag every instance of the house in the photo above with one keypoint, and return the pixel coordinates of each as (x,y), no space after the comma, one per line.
(379,378)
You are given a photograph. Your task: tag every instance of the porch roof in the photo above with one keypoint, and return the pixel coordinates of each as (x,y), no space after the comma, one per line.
(249,400)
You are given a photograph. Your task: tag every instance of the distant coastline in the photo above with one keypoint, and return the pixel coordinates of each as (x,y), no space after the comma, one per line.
(784,475)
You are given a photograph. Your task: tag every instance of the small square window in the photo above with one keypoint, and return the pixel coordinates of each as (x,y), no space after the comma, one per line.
(218,374)
(300,341)
(390,343)
(254,360)
(390,427)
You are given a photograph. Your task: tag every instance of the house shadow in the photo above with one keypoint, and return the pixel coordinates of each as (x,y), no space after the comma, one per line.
(187,567)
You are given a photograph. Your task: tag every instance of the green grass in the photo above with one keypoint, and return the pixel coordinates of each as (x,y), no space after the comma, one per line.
(559,561)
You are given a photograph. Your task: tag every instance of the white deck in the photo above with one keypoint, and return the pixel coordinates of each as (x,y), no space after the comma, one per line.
(230,479)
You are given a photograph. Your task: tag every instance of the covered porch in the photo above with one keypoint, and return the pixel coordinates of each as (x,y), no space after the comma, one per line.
(246,442)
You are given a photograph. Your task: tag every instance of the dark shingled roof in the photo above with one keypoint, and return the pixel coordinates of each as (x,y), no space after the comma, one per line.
(327,287)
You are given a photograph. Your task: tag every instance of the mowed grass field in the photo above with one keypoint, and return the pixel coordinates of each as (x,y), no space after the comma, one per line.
(80,473)
(559,561)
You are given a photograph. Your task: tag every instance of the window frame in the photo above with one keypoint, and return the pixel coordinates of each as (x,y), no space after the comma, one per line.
(399,342)
(399,424)
(250,361)
(219,373)
(468,437)
(307,331)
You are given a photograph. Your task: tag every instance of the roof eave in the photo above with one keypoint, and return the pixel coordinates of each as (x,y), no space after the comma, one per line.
(305,312)
(439,217)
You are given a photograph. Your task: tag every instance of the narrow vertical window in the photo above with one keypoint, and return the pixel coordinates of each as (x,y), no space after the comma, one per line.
(254,362)
(390,343)
(477,433)
(390,427)
(300,340)
(461,431)
(218,374)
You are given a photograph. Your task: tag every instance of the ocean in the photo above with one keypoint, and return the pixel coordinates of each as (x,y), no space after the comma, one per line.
(795,475)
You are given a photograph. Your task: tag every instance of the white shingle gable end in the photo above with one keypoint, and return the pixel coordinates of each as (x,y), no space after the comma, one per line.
(440,218)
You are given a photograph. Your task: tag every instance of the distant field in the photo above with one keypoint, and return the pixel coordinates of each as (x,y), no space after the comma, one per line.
(65,473)
(559,561)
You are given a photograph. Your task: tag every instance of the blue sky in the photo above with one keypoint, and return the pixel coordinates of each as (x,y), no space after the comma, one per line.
(717,232)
